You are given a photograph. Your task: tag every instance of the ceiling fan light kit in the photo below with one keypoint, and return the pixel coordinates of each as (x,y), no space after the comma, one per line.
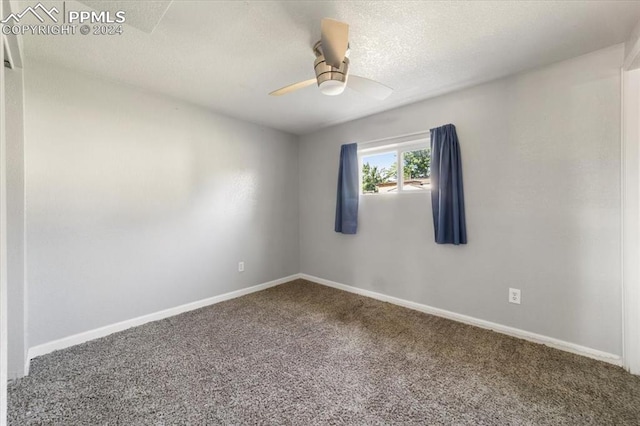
(332,66)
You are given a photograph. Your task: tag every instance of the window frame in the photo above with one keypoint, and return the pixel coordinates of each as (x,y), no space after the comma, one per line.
(399,146)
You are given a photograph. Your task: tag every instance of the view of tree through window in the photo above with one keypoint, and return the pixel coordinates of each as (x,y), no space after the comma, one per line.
(416,169)
(380,171)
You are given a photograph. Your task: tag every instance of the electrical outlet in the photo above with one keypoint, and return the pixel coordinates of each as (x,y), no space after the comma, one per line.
(514,295)
(240,266)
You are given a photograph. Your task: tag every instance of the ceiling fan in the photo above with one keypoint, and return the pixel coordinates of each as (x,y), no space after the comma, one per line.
(332,66)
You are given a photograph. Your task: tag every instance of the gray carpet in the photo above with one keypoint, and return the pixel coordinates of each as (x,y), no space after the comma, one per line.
(304,354)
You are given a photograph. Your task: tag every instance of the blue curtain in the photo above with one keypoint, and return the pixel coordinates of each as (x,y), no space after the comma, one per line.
(347,203)
(447,195)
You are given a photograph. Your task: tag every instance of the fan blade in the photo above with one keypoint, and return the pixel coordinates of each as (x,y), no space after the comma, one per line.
(335,41)
(369,87)
(292,87)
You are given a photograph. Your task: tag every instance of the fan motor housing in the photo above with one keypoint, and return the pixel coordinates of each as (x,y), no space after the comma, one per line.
(325,72)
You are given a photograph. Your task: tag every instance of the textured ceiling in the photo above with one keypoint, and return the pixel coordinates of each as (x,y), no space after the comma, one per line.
(228,55)
(143,15)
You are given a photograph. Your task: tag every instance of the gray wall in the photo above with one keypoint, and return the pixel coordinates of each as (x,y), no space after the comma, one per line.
(541,160)
(631,217)
(15,222)
(138,203)
(3,247)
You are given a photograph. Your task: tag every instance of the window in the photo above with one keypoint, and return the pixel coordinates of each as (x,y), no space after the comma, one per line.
(380,172)
(396,165)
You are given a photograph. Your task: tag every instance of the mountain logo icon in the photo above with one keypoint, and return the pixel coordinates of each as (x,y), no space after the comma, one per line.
(38,11)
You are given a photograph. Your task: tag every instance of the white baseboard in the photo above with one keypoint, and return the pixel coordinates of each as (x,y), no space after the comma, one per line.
(85,336)
(514,332)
